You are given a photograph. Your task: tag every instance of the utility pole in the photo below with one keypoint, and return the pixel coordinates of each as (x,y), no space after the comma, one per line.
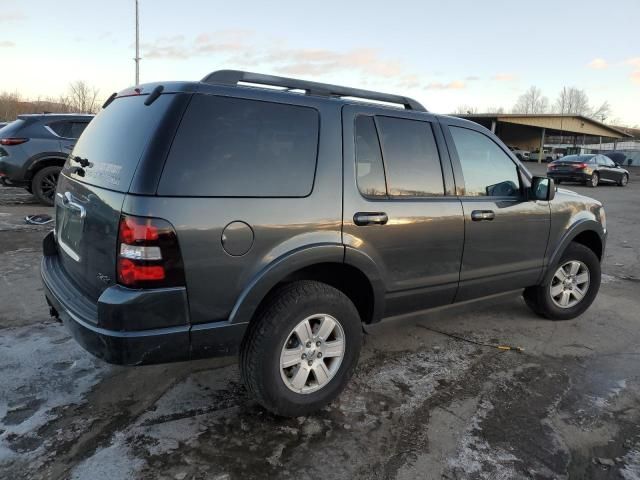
(137,58)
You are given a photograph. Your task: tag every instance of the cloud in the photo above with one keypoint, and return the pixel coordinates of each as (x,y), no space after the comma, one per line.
(471,78)
(635,74)
(634,62)
(598,64)
(504,77)
(454,85)
(6,44)
(12,16)
(292,61)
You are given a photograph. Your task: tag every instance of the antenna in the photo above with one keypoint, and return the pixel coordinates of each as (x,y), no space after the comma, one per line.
(137,57)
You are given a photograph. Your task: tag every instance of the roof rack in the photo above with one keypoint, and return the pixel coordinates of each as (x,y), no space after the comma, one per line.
(233,77)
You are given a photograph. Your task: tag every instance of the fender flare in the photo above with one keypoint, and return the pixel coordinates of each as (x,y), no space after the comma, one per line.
(363,262)
(579,227)
(32,164)
(267,278)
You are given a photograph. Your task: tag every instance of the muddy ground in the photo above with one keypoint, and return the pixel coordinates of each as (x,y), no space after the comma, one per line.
(421,405)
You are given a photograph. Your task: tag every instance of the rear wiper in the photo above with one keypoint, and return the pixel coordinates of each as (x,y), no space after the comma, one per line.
(109,100)
(82,161)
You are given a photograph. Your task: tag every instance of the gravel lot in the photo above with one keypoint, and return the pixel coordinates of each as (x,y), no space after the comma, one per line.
(421,405)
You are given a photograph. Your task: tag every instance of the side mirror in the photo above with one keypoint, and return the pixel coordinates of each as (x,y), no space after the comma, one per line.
(543,188)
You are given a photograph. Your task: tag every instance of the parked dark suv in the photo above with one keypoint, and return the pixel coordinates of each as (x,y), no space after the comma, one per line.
(33,150)
(201,218)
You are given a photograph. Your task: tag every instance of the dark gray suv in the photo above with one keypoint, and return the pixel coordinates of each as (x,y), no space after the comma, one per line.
(197,219)
(33,150)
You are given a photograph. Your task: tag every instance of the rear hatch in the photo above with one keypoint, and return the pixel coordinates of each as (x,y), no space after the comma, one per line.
(561,166)
(95,180)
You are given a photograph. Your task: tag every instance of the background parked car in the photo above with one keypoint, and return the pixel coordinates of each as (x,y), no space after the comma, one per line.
(522,155)
(33,150)
(3,124)
(590,169)
(548,155)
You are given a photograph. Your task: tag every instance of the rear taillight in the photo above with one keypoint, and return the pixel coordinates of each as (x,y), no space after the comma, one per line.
(12,141)
(581,166)
(148,253)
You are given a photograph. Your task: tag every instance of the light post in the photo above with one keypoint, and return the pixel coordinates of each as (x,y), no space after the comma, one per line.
(137,57)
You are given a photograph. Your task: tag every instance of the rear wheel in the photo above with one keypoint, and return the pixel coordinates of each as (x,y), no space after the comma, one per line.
(301,349)
(594,180)
(44,182)
(624,180)
(572,287)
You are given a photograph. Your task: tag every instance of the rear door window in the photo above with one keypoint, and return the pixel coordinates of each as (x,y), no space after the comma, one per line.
(232,147)
(410,157)
(114,141)
(369,169)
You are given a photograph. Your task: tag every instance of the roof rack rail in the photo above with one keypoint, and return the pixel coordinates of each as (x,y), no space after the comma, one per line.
(233,77)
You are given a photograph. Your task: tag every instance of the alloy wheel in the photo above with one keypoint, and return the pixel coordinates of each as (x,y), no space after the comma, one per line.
(570,284)
(48,185)
(312,353)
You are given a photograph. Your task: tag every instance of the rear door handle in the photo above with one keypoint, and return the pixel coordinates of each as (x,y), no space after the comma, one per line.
(480,215)
(362,219)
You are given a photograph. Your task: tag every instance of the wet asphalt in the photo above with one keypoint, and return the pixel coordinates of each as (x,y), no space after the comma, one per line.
(421,404)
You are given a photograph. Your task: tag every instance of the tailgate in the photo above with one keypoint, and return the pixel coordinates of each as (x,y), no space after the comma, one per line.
(87,219)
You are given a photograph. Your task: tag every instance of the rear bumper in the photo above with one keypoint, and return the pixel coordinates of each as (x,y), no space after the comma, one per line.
(569,176)
(112,329)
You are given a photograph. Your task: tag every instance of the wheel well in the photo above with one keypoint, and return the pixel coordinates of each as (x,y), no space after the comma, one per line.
(40,164)
(349,280)
(591,240)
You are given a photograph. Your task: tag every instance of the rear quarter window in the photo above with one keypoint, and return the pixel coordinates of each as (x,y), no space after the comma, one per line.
(232,147)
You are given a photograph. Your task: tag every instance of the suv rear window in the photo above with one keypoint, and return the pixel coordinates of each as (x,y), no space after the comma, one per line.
(115,140)
(232,147)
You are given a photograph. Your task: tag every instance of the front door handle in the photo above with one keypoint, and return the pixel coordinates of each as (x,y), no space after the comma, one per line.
(362,219)
(480,215)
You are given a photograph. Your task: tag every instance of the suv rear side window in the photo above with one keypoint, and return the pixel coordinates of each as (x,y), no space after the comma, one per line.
(487,169)
(232,147)
(411,159)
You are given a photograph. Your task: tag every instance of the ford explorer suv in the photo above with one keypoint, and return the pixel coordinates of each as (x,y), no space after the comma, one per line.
(196,219)
(33,150)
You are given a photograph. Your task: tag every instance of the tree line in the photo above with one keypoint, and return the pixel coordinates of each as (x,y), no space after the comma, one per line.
(570,101)
(80,97)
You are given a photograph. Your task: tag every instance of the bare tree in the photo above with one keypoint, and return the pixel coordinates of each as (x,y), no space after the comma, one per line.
(602,112)
(82,98)
(531,102)
(572,101)
(465,110)
(498,110)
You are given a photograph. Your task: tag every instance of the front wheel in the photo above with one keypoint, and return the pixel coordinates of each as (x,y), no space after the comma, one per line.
(572,287)
(624,180)
(301,349)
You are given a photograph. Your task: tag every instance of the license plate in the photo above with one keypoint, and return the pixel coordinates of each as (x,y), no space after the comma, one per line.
(71,225)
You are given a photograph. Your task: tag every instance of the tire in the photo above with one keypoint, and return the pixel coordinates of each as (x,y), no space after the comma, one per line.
(272,331)
(624,180)
(43,185)
(594,180)
(540,299)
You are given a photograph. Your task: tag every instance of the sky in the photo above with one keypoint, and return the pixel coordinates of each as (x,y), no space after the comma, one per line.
(445,54)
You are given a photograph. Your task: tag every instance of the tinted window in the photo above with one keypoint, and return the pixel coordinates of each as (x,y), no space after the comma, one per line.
(410,157)
(486,168)
(76,129)
(116,138)
(232,147)
(370,172)
(60,128)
